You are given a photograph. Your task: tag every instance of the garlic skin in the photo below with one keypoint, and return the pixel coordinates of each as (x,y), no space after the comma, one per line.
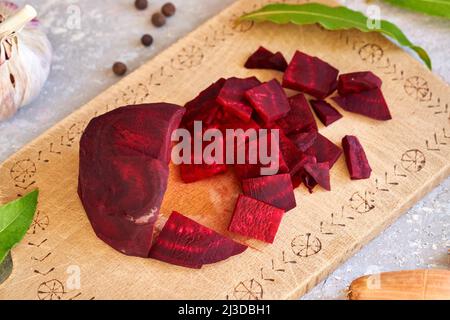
(25,61)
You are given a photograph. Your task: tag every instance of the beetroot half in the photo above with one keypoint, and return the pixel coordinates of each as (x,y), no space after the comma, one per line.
(232,96)
(274,190)
(186,243)
(325,151)
(320,172)
(269,100)
(310,75)
(325,112)
(357,82)
(300,118)
(124,158)
(256,219)
(265,59)
(356,158)
(369,103)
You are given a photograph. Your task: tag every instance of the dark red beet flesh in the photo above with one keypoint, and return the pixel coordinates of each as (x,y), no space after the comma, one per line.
(269,100)
(265,59)
(300,118)
(256,219)
(298,174)
(124,158)
(186,243)
(325,112)
(310,75)
(358,82)
(196,172)
(369,103)
(274,190)
(325,151)
(232,96)
(304,140)
(356,158)
(320,172)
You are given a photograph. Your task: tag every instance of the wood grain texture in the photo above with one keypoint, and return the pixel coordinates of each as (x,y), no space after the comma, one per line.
(409,155)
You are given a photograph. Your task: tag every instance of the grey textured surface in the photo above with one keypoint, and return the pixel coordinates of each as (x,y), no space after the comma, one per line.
(110,30)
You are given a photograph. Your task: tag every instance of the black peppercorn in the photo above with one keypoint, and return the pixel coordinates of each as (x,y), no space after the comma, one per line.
(119,68)
(168,9)
(147,40)
(141,4)
(158,20)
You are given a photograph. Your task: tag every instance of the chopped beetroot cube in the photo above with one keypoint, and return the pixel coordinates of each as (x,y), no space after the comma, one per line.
(249,170)
(232,96)
(269,100)
(208,94)
(265,59)
(326,113)
(357,82)
(310,75)
(274,190)
(325,151)
(124,156)
(195,172)
(291,153)
(300,118)
(304,140)
(256,219)
(186,243)
(320,172)
(356,158)
(369,103)
(210,114)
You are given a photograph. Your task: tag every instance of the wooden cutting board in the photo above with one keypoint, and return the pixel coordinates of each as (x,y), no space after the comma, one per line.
(410,155)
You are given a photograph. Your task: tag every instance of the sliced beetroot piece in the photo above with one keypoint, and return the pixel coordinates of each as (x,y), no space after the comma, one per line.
(310,75)
(325,112)
(186,243)
(269,100)
(232,96)
(124,157)
(357,82)
(298,173)
(304,140)
(265,59)
(369,103)
(256,219)
(300,118)
(325,151)
(356,158)
(274,190)
(320,172)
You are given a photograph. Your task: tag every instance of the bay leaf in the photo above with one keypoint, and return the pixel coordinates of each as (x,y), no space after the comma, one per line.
(331,18)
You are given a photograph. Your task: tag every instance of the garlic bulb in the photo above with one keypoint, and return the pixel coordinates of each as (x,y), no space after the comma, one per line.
(25,57)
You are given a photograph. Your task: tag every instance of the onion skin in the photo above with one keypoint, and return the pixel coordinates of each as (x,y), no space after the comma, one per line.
(402,285)
(24,71)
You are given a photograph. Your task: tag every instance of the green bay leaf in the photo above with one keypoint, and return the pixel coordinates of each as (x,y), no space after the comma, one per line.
(15,219)
(440,8)
(331,18)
